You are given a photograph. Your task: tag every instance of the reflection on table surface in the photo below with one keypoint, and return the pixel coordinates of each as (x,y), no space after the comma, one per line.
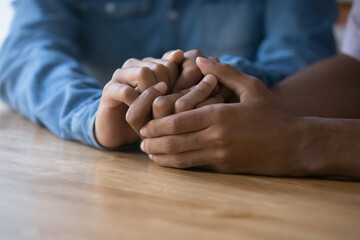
(56,189)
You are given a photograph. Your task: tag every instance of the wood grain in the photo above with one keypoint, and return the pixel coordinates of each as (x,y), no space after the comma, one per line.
(56,189)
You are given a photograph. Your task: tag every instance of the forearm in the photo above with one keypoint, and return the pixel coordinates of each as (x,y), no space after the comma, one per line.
(41,75)
(330,147)
(329,88)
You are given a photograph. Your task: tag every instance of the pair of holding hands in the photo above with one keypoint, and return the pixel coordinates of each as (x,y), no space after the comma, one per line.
(252,134)
(152,88)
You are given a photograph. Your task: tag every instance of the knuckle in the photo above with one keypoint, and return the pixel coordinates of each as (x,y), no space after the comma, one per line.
(131,116)
(161,106)
(160,69)
(117,73)
(194,53)
(107,87)
(129,62)
(221,161)
(171,145)
(174,124)
(218,136)
(125,92)
(160,102)
(221,156)
(144,72)
(255,82)
(181,104)
(148,59)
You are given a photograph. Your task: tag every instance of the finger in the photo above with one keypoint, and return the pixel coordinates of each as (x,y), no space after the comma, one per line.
(185,160)
(242,84)
(140,111)
(165,105)
(172,69)
(159,70)
(226,93)
(176,143)
(115,93)
(197,95)
(176,56)
(141,77)
(190,75)
(214,59)
(193,54)
(213,100)
(189,121)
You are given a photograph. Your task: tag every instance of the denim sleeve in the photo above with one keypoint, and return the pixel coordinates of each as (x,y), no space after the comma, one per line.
(296,34)
(41,76)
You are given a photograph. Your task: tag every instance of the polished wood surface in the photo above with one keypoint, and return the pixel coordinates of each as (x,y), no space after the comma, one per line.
(56,189)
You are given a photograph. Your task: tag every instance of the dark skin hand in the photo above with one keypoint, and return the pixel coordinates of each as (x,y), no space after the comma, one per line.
(191,75)
(254,135)
(225,137)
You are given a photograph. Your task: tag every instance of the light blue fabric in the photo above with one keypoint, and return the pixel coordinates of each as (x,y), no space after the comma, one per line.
(60,53)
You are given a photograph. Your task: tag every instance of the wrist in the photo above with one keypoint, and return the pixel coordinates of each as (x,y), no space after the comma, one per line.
(321,146)
(111,129)
(297,143)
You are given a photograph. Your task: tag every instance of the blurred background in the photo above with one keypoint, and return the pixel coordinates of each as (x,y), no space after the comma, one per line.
(6,14)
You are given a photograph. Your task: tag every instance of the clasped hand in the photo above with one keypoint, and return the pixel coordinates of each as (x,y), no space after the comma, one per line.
(175,104)
(152,88)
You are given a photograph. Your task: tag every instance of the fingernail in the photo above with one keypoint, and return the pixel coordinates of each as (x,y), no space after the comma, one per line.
(144,132)
(151,157)
(203,60)
(142,146)
(161,87)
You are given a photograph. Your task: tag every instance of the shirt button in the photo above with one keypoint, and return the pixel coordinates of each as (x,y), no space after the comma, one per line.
(173,15)
(110,7)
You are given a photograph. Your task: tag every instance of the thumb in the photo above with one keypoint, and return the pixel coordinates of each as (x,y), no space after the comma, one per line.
(176,56)
(242,84)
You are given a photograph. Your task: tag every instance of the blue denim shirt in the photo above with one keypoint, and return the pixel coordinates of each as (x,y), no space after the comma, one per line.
(60,53)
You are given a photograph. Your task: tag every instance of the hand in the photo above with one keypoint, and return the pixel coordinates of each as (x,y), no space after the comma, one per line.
(134,78)
(198,96)
(252,136)
(191,75)
(163,70)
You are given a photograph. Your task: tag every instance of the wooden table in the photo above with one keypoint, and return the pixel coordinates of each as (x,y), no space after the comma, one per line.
(56,189)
